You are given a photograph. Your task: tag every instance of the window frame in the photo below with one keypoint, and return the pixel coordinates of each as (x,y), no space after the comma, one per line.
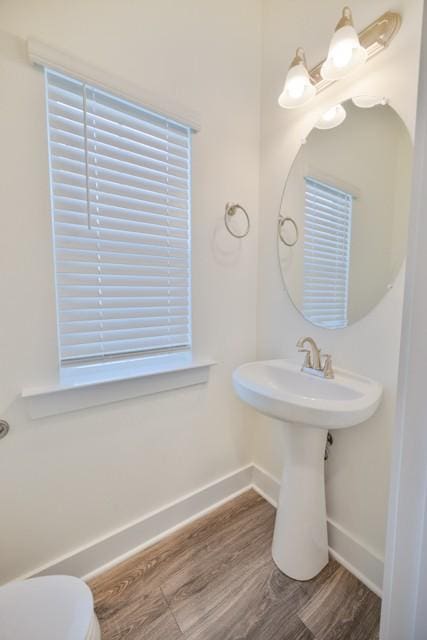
(56,395)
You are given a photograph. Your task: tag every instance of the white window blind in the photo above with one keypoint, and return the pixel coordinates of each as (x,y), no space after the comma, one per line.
(327,234)
(120,185)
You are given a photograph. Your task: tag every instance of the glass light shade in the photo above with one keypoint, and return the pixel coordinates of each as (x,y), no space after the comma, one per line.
(366,102)
(345,54)
(333,117)
(298,89)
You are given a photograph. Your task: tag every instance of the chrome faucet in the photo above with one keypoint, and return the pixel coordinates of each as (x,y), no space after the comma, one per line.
(313,358)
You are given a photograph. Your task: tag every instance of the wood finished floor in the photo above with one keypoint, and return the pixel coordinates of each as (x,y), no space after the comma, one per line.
(215,580)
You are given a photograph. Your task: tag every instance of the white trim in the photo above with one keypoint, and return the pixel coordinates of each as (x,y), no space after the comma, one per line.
(358,574)
(356,556)
(266,485)
(45,56)
(110,550)
(403,612)
(342,185)
(63,398)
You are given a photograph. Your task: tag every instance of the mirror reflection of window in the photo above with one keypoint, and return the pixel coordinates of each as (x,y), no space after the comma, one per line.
(327,237)
(368,157)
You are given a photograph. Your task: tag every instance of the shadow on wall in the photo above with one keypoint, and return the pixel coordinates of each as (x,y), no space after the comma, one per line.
(12,47)
(226,249)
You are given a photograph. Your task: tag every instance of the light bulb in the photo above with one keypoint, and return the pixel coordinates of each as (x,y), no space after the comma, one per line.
(345,51)
(341,55)
(366,102)
(333,117)
(330,114)
(298,89)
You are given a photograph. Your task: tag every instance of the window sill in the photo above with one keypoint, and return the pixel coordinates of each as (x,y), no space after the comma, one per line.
(83,391)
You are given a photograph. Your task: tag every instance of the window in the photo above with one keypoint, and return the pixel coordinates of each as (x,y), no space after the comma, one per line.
(120,186)
(327,233)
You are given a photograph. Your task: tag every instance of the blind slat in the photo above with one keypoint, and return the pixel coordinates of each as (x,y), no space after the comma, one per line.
(103,158)
(112,223)
(79,304)
(102,145)
(70,317)
(131,171)
(120,195)
(72,120)
(112,183)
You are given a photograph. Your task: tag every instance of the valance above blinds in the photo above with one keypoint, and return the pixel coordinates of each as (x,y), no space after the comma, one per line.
(120,184)
(327,234)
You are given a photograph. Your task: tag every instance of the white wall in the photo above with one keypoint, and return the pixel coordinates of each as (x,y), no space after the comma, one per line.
(358,468)
(67,480)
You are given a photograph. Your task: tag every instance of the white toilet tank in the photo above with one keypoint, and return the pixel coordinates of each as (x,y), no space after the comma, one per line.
(47,608)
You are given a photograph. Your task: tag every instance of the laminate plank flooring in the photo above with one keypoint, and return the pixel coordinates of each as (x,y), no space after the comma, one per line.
(215,579)
(334,612)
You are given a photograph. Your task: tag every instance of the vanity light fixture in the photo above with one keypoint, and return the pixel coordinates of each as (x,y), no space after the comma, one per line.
(346,54)
(298,89)
(333,117)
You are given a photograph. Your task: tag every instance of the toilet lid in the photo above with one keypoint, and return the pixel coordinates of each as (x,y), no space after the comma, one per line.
(46,608)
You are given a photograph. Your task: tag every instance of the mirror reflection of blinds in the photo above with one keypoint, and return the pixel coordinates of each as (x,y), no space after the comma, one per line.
(120,185)
(327,233)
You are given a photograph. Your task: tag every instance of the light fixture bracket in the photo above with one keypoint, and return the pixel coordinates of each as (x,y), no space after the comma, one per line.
(346,19)
(374,38)
(299,58)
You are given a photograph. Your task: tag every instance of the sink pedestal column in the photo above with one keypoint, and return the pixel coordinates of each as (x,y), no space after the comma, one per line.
(300,542)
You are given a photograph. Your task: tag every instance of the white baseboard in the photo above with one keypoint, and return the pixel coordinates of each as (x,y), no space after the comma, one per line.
(119,545)
(266,485)
(122,543)
(356,556)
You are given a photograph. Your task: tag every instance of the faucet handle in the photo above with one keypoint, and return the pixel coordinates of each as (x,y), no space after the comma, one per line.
(327,369)
(308,364)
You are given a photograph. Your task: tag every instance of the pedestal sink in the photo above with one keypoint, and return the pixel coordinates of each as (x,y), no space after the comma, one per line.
(309,406)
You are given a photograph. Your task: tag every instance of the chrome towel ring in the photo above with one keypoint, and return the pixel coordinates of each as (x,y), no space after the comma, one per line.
(230,210)
(282,222)
(4,429)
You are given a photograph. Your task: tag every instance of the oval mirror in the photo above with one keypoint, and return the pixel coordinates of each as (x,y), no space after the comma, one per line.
(343,219)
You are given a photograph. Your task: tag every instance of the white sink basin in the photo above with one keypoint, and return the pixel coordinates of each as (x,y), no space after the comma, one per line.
(280,389)
(308,406)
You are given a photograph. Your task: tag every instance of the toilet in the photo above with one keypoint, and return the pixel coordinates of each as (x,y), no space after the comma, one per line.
(48,608)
